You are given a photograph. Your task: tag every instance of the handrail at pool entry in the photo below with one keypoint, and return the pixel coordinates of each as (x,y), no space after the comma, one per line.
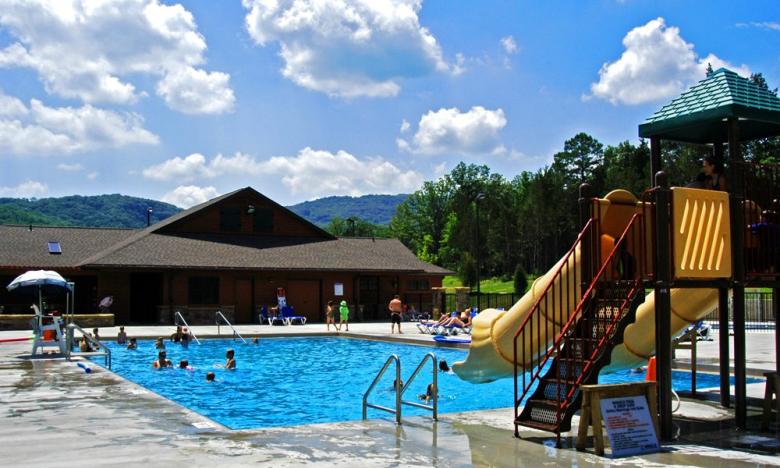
(177,315)
(435,406)
(69,344)
(219,315)
(398,390)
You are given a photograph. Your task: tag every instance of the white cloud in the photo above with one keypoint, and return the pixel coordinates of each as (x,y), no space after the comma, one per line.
(509,45)
(185,196)
(405,126)
(769,25)
(657,63)
(27,189)
(89,50)
(92,175)
(347,48)
(311,173)
(76,167)
(61,130)
(450,131)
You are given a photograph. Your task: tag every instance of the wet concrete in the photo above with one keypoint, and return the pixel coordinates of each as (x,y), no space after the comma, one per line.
(54,415)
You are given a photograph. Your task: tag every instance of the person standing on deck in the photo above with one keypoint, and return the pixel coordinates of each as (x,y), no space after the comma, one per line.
(396,308)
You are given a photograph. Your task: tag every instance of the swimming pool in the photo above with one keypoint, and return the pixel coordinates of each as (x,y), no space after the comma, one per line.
(293,381)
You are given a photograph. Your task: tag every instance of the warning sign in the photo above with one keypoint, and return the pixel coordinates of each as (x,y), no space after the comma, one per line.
(629,426)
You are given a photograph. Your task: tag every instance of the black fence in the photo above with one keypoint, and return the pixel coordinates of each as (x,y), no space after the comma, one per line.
(484,301)
(759,313)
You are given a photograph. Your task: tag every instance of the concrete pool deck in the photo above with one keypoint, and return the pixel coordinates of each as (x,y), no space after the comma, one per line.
(55,415)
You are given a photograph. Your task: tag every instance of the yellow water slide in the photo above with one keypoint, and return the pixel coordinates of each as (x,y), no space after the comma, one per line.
(697,228)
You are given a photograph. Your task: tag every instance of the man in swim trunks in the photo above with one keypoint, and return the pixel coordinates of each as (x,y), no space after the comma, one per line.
(396,308)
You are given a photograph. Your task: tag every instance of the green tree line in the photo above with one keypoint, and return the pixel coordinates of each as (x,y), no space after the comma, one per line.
(524,224)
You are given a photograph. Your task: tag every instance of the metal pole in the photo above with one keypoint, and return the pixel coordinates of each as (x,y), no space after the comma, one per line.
(723,337)
(479,197)
(663,306)
(737,254)
(655,159)
(776,310)
(398,387)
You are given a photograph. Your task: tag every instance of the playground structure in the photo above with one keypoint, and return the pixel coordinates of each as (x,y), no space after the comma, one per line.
(589,313)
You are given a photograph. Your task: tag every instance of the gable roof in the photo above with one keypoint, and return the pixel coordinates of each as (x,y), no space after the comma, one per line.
(182,215)
(697,115)
(244,252)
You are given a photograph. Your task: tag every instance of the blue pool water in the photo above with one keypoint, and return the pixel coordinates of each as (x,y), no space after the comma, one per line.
(292,381)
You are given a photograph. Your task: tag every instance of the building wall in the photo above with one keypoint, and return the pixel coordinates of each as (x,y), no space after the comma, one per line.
(208,219)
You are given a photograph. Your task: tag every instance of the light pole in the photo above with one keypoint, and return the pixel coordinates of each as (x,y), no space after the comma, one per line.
(480,196)
(148,217)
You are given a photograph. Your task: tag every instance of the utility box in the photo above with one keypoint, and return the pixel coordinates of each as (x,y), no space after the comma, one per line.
(701,236)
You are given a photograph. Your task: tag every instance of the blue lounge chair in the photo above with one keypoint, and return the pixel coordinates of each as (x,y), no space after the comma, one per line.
(451,330)
(288,314)
(430,327)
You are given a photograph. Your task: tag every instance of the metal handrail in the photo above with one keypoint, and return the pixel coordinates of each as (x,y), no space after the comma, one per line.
(435,406)
(178,315)
(398,390)
(69,343)
(235,333)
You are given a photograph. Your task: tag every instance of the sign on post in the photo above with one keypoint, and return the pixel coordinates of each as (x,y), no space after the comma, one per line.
(629,426)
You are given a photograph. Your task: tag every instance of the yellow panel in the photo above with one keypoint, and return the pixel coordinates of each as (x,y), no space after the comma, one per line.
(701,233)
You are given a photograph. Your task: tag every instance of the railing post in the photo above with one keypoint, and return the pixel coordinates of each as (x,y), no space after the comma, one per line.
(398,388)
(663,305)
(723,338)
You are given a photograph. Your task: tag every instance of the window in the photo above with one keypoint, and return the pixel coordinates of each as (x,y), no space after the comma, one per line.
(263,219)
(418,285)
(230,219)
(203,290)
(55,248)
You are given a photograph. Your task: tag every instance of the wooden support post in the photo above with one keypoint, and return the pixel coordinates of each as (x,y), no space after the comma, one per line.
(723,337)
(663,305)
(655,159)
(738,257)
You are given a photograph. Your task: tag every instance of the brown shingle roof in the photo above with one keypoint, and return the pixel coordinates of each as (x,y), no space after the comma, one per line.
(266,253)
(22,248)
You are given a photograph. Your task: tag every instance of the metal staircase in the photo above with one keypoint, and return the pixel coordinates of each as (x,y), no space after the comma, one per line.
(585,337)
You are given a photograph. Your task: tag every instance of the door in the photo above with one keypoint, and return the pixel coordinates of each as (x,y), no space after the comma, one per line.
(145,296)
(243,301)
(369,297)
(304,295)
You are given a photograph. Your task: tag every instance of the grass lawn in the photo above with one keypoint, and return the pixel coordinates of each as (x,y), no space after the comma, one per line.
(488,285)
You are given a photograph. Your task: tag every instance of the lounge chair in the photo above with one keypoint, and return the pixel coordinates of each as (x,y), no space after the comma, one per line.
(288,314)
(448,330)
(430,326)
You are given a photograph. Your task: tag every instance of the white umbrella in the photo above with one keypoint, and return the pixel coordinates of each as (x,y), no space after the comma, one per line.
(39,280)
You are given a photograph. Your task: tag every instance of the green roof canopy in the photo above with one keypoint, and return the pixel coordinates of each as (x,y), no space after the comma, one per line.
(698,115)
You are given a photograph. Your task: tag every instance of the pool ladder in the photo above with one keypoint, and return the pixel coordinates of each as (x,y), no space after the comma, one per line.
(69,342)
(224,319)
(176,317)
(401,388)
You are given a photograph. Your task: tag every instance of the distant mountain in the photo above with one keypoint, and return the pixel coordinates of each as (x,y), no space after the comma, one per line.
(377,209)
(130,212)
(76,210)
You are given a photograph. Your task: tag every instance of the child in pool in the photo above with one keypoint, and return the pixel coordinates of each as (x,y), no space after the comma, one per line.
(230,361)
(185,364)
(210,377)
(121,337)
(133,344)
(159,344)
(162,361)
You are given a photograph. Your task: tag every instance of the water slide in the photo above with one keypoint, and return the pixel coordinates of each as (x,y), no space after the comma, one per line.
(492,338)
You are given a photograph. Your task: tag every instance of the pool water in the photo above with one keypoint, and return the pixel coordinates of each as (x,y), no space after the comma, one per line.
(293,381)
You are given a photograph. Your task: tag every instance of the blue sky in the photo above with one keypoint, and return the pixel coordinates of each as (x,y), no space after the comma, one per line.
(308,98)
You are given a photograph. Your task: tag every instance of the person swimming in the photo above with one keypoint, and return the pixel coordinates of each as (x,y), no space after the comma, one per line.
(185,364)
(230,360)
(132,344)
(210,377)
(162,361)
(429,394)
(443,366)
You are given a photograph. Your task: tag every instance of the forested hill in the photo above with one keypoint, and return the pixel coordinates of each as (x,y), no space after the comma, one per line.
(76,210)
(376,209)
(125,211)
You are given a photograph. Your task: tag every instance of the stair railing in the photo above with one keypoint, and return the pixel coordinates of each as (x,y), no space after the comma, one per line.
(535,332)
(605,286)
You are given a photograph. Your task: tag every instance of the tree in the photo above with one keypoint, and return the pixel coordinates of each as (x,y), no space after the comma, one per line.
(520,280)
(764,150)
(580,157)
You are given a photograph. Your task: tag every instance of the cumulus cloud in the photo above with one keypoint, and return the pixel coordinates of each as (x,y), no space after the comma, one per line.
(347,48)
(60,130)
(27,189)
(186,196)
(450,131)
(89,50)
(311,173)
(657,64)
(509,45)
